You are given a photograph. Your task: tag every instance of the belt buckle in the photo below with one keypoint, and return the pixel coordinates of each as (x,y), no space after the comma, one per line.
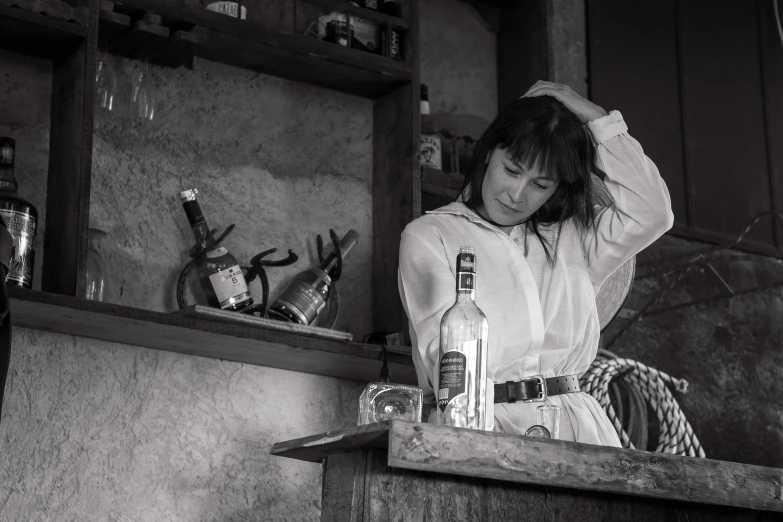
(542,394)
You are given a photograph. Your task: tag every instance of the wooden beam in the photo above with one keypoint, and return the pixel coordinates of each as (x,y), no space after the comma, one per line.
(522,48)
(396,188)
(70,164)
(439,449)
(178,333)
(771,51)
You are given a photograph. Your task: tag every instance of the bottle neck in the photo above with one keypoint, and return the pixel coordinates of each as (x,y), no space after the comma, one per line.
(329,264)
(7,178)
(465,296)
(197,221)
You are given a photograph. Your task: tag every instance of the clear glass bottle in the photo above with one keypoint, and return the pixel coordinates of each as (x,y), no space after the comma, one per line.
(218,272)
(384,400)
(95,271)
(305,297)
(462,357)
(20,216)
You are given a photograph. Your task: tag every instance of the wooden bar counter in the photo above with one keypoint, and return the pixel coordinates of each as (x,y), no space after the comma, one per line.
(412,471)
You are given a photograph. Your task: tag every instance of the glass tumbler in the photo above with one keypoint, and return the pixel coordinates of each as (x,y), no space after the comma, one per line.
(548,416)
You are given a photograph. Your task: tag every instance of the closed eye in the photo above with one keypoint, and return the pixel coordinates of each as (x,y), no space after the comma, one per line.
(542,186)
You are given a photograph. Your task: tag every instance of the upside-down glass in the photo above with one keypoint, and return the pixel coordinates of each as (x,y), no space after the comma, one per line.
(95,271)
(105,84)
(143,95)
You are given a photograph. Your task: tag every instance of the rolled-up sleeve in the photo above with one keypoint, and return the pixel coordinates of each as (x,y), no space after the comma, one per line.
(426,285)
(641,211)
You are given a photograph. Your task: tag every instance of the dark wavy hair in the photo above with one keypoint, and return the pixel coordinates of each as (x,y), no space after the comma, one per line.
(540,131)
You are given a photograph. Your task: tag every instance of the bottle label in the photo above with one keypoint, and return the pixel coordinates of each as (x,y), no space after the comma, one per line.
(304,298)
(21,226)
(453,372)
(228,284)
(430,151)
(219,251)
(465,282)
(227,8)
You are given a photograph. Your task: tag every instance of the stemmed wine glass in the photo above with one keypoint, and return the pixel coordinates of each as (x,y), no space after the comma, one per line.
(143,95)
(106,84)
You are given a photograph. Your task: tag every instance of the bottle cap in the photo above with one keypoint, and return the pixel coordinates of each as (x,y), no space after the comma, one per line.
(188,195)
(424,92)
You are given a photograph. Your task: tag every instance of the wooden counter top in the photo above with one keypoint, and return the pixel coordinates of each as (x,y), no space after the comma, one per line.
(512,458)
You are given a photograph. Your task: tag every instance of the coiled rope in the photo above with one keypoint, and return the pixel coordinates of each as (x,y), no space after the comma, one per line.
(610,375)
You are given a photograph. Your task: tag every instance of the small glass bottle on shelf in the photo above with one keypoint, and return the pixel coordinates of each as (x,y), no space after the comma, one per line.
(381,401)
(430,148)
(305,296)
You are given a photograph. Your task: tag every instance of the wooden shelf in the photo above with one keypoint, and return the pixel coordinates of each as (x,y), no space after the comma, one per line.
(169,34)
(44,28)
(434,181)
(177,333)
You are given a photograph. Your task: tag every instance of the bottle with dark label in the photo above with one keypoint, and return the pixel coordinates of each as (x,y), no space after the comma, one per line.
(218,272)
(305,297)
(430,153)
(20,216)
(462,357)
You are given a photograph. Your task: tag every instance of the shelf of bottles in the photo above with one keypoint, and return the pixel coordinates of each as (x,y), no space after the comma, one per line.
(304,41)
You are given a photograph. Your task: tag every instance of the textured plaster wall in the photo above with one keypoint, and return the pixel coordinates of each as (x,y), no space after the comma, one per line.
(98,431)
(458,59)
(101,431)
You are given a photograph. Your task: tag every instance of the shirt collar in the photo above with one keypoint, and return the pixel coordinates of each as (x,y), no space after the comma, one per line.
(458,208)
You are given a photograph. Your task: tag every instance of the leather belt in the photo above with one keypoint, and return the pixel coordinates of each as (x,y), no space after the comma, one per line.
(535,388)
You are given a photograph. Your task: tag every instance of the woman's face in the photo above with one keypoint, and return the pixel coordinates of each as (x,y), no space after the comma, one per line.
(512,193)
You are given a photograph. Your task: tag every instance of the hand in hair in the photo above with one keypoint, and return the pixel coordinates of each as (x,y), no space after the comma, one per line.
(584,109)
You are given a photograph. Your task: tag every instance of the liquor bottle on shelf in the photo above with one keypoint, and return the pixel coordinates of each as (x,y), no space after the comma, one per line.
(429,144)
(462,357)
(218,272)
(305,297)
(20,216)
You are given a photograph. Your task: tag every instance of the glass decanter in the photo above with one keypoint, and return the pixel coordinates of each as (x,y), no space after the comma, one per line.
(384,400)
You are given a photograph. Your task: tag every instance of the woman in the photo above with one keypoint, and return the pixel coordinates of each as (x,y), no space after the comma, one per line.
(542,252)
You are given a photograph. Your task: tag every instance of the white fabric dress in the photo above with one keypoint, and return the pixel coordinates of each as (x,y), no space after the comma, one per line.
(542,318)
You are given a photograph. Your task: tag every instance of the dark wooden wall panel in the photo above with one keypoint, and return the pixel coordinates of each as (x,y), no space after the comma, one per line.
(396,190)
(522,48)
(771,48)
(723,117)
(634,68)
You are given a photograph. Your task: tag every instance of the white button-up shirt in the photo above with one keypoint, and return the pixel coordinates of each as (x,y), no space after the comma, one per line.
(542,318)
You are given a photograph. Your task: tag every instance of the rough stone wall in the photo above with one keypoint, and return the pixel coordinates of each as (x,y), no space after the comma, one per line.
(727,349)
(101,431)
